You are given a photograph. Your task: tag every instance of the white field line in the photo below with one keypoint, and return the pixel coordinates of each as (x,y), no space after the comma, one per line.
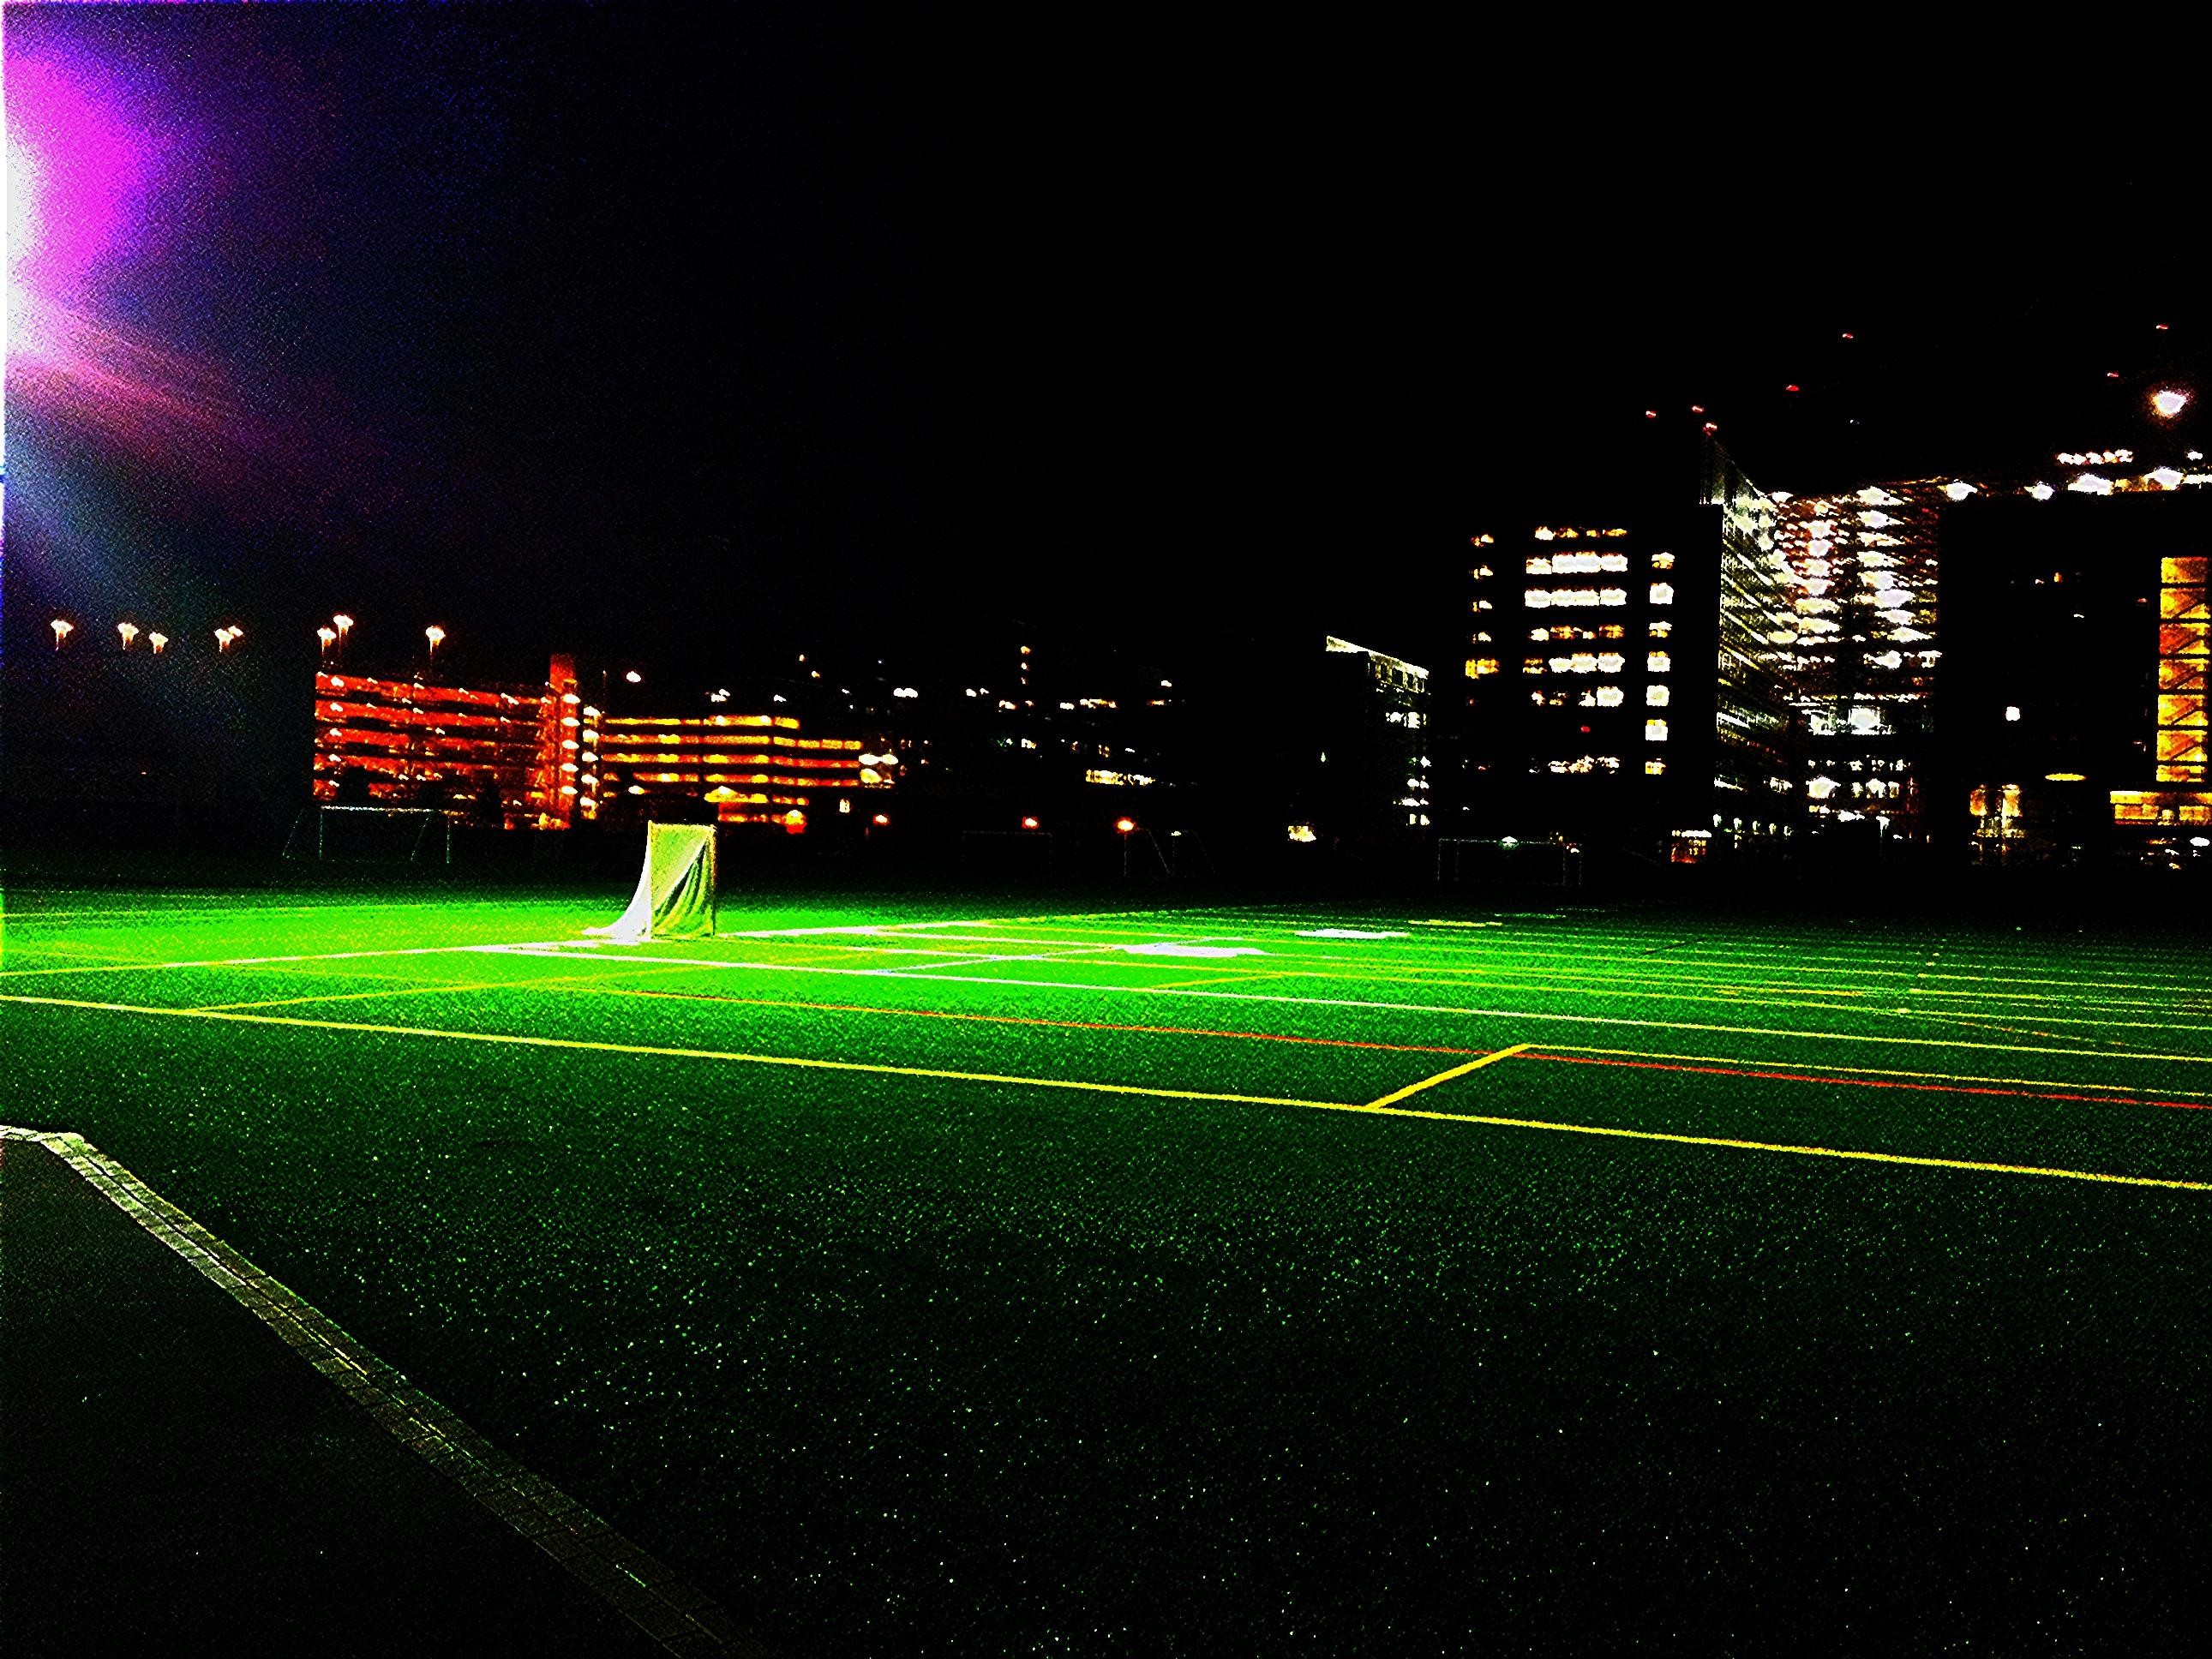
(264,961)
(1887,967)
(1003,984)
(1539,980)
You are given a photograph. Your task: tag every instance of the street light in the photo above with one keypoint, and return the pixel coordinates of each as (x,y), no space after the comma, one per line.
(226,637)
(328,637)
(157,640)
(343,623)
(2166,403)
(437,635)
(62,631)
(130,632)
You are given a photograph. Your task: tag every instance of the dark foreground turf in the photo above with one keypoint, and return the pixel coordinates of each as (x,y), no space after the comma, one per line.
(892,1364)
(178,1482)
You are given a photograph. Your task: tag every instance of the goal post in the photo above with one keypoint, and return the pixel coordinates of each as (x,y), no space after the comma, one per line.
(1529,863)
(371,834)
(676,894)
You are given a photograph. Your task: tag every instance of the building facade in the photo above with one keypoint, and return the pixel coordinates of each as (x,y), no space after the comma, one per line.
(1367,786)
(542,758)
(1624,679)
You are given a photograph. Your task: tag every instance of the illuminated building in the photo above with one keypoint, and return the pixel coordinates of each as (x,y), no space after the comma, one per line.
(1623,676)
(542,758)
(1861,665)
(401,742)
(1367,781)
(1871,571)
(2070,700)
(751,768)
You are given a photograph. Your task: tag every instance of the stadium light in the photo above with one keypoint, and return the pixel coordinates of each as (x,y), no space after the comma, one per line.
(62,631)
(130,632)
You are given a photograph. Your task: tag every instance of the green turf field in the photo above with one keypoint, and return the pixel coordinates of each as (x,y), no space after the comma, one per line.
(960,1279)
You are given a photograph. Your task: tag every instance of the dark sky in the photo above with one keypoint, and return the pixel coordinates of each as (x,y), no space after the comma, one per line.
(707,332)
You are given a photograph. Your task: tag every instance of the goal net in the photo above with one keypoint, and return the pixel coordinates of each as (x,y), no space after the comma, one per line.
(675,896)
(371,834)
(1532,863)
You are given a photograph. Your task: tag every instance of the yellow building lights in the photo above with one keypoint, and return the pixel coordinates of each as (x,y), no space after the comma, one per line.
(2185,642)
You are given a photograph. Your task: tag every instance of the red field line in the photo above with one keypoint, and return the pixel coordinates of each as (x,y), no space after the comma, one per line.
(1060,1025)
(1867,1082)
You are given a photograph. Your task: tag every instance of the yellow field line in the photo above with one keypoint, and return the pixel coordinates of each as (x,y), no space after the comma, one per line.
(520,1040)
(1872,1071)
(1383,1107)
(1225,978)
(1411,1089)
(1839,1152)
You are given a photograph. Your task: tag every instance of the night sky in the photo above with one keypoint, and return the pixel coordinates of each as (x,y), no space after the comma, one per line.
(704,334)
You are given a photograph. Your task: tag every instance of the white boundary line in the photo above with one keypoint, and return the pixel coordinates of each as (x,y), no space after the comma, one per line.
(644,1591)
(1003,982)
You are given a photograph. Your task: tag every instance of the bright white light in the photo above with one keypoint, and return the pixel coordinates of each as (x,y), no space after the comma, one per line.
(2165,478)
(1958,489)
(2042,492)
(2012,711)
(634,676)
(2090,484)
(2166,403)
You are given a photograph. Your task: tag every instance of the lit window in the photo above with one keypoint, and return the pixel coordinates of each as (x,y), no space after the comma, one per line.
(1657,662)
(1613,631)
(1532,665)
(1654,769)
(1608,696)
(1654,731)
(1655,696)
(1660,630)
(1663,560)
(1539,567)
(1611,662)
(1662,594)
(1478,666)
(1582,662)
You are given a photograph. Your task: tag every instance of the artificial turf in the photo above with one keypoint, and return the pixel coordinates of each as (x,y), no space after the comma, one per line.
(890,1360)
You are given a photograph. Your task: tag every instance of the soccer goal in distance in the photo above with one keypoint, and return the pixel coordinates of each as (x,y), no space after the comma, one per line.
(675,896)
(371,834)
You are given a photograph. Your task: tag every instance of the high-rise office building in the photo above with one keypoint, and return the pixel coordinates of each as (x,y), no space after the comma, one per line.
(1881,601)
(1367,786)
(2070,701)
(1624,677)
